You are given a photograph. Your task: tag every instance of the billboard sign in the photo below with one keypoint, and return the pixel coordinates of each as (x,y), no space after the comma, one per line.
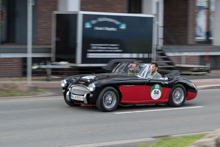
(106,37)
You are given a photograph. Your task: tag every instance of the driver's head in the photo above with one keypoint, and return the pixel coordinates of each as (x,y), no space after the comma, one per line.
(135,66)
(154,67)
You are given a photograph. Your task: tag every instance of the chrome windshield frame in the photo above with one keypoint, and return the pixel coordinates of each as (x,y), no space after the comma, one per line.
(149,75)
(122,64)
(143,73)
(113,71)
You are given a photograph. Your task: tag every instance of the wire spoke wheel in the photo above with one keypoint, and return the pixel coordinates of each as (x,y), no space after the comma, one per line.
(109,99)
(178,96)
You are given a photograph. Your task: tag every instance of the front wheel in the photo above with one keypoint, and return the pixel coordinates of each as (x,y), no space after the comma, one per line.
(67,100)
(108,99)
(177,96)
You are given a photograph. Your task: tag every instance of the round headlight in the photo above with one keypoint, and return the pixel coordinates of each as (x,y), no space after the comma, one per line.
(91,87)
(63,83)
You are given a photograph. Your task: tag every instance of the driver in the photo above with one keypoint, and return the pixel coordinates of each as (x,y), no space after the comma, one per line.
(135,68)
(155,74)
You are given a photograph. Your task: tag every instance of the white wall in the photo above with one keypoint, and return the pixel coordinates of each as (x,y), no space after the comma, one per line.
(68,5)
(147,6)
(156,8)
(217,23)
(62,5)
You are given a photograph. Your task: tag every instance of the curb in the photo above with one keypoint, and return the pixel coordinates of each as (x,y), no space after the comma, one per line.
(208,87)
(31,96)
(210,140)
(124,142)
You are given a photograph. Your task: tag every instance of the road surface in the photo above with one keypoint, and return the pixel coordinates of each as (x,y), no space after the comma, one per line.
(49,122)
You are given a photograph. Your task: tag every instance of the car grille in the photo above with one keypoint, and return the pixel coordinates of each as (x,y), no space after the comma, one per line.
(79,90)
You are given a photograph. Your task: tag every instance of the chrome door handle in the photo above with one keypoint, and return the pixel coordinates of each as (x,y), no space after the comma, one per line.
(128,85)
(164,82)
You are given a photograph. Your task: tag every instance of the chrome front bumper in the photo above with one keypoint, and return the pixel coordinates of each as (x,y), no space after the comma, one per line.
(84,97)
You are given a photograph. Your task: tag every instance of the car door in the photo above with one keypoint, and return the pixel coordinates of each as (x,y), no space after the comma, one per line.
(155,91)
(132,91)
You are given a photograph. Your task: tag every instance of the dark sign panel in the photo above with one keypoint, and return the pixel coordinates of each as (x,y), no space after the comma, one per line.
(65,38)
(108,37)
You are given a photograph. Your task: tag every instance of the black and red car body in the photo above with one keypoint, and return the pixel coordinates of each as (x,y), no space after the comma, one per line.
(108,90)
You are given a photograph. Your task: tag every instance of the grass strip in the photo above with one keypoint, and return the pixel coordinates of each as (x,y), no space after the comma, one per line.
(145,145)
(11,93)
(182,141)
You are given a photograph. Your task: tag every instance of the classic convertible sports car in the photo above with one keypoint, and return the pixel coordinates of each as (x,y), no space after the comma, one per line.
(124,87)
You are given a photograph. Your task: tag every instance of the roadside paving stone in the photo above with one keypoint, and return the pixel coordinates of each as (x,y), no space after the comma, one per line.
(210,140)
(205,142)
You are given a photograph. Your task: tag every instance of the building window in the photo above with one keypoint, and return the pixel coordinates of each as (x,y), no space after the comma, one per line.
(4,21)
(14,23)
(205,11)
(134,6)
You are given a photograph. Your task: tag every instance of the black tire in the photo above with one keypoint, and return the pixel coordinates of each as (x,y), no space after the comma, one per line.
(113,101)
(68,102)
(177,100)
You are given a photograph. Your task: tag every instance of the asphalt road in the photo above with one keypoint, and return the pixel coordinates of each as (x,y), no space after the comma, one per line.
(49,122)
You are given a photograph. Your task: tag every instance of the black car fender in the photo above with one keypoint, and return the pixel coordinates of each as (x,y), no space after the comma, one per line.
(187,84)
(100,87)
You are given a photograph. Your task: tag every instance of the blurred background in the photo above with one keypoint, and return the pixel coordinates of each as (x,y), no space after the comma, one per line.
(186,34)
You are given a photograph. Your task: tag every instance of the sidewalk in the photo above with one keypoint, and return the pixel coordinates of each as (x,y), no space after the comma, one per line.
(39,84)
(200,83)
(207,83)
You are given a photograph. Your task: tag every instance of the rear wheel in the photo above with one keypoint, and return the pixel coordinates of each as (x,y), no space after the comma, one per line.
(108,99)
(177,96)
(67,100)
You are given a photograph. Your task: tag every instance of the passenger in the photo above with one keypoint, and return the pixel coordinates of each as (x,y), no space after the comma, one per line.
(135,68)
(155,74)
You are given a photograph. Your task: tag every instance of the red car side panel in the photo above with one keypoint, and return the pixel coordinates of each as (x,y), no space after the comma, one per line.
(164,97)
(131,94)
(191,95)
(167,95)
(140,94)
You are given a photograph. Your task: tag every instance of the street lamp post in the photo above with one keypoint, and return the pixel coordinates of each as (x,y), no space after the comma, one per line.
(30,3)
(0,33)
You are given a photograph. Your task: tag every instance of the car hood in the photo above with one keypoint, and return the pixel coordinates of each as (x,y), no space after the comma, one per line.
(87,79)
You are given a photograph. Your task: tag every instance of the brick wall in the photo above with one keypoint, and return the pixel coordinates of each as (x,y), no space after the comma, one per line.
(44,20)
(10,67)
(118,6)
(175,20)
(175,59)
(192,60)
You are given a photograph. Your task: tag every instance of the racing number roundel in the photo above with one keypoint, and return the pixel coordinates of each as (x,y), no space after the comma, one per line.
(156,92)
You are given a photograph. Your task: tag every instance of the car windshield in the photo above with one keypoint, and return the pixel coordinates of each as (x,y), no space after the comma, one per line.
(145,72)
(129,68)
